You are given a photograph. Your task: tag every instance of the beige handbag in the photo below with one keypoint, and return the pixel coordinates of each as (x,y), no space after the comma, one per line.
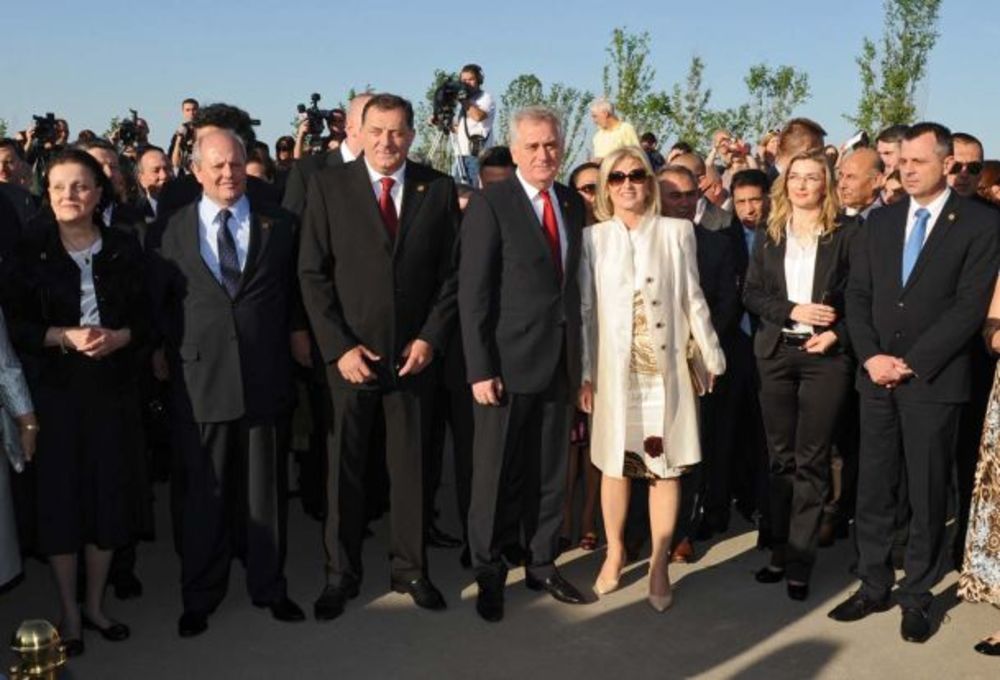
(700,376)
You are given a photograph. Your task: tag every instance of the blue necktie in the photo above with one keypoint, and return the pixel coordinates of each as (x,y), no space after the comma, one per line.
(911,251)
(229,263)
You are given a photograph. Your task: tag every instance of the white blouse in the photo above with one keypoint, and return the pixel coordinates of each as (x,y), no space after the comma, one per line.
(800,269)
(89,313)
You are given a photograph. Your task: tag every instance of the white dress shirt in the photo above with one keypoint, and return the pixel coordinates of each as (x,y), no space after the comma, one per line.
(208,232)
(934,208)
(397,187)
(90,315)
(535,196)
(346,153)
(800,270)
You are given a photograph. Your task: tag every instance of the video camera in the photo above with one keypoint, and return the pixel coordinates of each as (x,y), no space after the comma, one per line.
(446,98)
(316,118)
(127,131)
(45,129)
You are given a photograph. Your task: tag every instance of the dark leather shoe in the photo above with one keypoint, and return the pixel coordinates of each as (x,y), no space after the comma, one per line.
(798,591)
(334,598)
(556,586)
(283,610)
(489,601)
(769,575)
(683,553)
(127,586)
(116,632)
(422,591)
(514,554)
(916,625)
(857,607)
(435,538)
(73,647)
(827,533)
(192,624)
(988,648)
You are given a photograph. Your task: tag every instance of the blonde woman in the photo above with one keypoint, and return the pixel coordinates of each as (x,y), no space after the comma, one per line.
(795,285)
(641,303)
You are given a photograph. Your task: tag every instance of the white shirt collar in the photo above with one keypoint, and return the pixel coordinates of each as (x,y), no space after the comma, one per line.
(375,176)
(209,210)
(346,153)
(934,207)
(532,191)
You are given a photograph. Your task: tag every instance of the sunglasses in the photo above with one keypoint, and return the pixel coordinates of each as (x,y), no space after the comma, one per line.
(589,189)
(973,168)
(618,178)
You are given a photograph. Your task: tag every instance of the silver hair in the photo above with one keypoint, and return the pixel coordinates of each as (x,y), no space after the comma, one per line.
(196,151)
(677,170)
(535,114)
(602,104)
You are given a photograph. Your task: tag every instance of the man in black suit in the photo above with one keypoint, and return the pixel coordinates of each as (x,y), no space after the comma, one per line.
(152,172)
(225,291)
(378,283)
(921,279)
(519,307)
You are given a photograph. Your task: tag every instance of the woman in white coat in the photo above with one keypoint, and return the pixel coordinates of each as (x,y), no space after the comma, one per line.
(641,305)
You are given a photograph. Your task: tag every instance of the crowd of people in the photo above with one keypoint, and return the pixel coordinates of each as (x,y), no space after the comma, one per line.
(800,333)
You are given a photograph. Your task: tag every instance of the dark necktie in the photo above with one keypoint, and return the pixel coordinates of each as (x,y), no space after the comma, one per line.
(229,262)
(551,226)
(387,207)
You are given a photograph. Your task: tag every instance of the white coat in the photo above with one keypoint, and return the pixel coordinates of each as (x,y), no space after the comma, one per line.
(665,259)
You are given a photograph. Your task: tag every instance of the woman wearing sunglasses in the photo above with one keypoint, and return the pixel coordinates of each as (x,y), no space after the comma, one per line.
(641,304)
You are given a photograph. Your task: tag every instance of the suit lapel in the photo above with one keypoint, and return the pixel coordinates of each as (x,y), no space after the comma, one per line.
(778,262)
(938,235)
(414,190)
(571,221)
(826,252)
(191,244)
(260,236)
(366,203)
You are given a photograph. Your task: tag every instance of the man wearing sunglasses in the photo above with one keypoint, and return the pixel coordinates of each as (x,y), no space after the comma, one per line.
(963,176)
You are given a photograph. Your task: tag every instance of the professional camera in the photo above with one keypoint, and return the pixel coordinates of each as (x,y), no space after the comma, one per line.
(127,131)
(45,129)
(315,116)
(446,98)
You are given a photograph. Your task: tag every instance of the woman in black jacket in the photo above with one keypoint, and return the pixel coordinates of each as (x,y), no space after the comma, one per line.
(75,296)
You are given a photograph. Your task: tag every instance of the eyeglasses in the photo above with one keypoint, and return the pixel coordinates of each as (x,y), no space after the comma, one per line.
(589,189)
(637,176)
(973,168)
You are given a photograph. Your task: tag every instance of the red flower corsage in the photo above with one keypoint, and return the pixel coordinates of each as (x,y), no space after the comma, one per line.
(653,446)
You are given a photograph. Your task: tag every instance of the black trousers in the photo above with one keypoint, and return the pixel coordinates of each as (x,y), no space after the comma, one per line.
(450,410)
(801,398)
(355,413)
(915,441)
(520,455)
(743,431)
(231,498)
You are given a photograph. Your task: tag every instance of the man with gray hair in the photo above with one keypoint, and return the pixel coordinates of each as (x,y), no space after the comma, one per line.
(612,132)
(859,182)
(519,307)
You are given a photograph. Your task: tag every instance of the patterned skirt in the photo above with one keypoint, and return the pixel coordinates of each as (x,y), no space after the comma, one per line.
(980,580)
(644,455)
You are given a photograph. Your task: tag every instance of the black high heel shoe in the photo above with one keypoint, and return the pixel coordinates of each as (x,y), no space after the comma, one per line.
(116,632)
(798,591)
(988,648)
(769,575)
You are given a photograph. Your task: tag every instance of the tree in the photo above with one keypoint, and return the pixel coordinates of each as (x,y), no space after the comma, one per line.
(3,128)
(570,103)
(774,94)
(431,146)
(889,77)
(628,83)
(690,118)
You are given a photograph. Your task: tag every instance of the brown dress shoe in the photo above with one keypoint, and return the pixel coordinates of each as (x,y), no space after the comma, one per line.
(683,553)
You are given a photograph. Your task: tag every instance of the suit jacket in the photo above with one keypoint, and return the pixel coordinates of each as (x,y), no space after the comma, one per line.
(766,293)
(517,318)
(361,287)
(229,358)
(17,207)
(718,279)
(297,183)
(931,321)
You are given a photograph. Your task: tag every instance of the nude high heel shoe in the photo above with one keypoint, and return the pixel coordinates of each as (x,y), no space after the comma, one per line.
(660,603)
(605,586)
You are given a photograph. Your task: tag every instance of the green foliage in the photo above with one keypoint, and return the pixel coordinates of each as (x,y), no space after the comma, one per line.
(628,83)
(112,126)
(889,76)
(774,94)
(3,127)
(690,117)
(431,146)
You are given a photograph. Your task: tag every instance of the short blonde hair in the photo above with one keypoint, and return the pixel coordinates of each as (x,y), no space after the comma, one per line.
(604,209)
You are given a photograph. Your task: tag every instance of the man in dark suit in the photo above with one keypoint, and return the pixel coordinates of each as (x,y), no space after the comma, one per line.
(378,283)
(519,304)
(921,279)
(225,291)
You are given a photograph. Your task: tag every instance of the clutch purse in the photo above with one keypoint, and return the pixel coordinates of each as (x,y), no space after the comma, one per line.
(11,434)
(699,373)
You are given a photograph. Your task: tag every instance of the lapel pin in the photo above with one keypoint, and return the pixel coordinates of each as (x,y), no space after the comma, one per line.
(951,217)
(265,223)
(421,187)
(44,256)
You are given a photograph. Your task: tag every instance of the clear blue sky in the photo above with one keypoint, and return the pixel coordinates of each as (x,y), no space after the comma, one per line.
(89,61)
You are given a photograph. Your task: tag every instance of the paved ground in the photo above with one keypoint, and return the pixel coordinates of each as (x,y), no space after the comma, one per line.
(723,625)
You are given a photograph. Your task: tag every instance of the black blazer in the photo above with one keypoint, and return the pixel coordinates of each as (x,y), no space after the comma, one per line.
(765,293)
(41,289)
(297,183)
(718,280)
(517,320)
(930,322)
(229,358)
(360,287)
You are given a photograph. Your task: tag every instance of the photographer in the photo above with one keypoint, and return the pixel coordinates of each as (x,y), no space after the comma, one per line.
(474,127)
(180,143)
(46,137)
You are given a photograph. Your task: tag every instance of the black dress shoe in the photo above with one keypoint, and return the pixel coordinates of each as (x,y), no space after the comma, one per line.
(916,625)
(127,586)
(489,601)
(422,591)
(988,648)
(514,554)
(334,598)
(73,647)
(857,607)
(556,586)
(769,575)
(192,624)
(283,610)
(798,591)
(116,632)
(435,538)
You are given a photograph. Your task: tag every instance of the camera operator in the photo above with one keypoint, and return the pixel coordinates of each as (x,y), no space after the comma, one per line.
(180,143)
(46,137)
(474,128)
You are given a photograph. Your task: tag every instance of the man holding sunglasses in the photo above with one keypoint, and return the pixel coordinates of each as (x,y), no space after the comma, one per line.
(963,176)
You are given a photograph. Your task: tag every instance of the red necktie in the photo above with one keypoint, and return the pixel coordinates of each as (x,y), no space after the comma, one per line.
(387,207)
(551,226)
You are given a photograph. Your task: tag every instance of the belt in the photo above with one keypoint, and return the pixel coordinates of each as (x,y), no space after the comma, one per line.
(795,339)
